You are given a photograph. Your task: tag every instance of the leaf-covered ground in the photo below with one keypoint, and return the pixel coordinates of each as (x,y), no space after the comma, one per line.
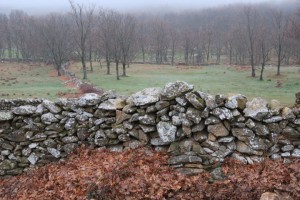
(143,174)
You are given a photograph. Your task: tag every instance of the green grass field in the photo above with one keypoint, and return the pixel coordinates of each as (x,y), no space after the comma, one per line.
(211,79)
(19,80)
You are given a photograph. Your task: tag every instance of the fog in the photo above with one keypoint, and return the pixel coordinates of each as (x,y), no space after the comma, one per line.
(42,6)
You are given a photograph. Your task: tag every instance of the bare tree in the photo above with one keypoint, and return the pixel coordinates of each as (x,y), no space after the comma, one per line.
(126,39)
(55,30)
(279,39)
(251,14)
(83,18)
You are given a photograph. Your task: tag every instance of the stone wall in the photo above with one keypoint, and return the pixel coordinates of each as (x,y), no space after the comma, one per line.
(197,129)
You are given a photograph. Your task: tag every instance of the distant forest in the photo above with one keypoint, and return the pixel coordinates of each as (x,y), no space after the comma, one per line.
(253,34)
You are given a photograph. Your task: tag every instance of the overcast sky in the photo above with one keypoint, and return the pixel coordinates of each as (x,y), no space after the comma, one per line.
(41,6)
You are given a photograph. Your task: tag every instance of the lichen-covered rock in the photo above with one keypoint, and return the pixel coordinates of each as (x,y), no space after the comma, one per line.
(175,89)
(146,96)
(70,124)
(193,115)
(184,159)
(218,130)
(274,107)
(48,118)
(121,116)
(33,158)
(113,104)
(147,119)
(166,131)
(196,101)
(256,109)
(287,113)
(236,102)
(7,165)
(89,99)
(51,106)
(222,113)
(16,136)
(243,134)
(24,110)
(54,152)
(6,115)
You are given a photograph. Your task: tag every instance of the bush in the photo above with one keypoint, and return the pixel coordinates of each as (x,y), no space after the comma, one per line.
(89,88)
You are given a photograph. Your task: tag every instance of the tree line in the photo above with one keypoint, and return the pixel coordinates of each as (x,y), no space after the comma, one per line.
(254,35)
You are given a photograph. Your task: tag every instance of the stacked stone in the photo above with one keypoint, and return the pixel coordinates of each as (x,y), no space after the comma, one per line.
(197,129)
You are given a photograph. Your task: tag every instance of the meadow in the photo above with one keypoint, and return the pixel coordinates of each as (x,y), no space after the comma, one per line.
(20,80)
(213,79)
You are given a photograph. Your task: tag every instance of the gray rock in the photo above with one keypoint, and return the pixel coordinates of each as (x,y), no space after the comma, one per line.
(121,116)
(256,109)
(70,124)
(190,171)
(288,147)
(133,144)
(257,143)
(194,115)
(69,139)
(16,136)
(48,118)
(175,89)
(147,129)
(297,121)
(200,136)
(296,153)
(89,99)
(51,107)
(158,142)
(184,159)
(166,131)
(222,113)
(291,133)
(99,121)
(7,165)
(181,101)
(212,120)
(33,158)
(196,101)
(198,127)
(161,105)
(237,101)
(274,107)
(226,139)
(84,116)
(261,129)
(69,148)
(243,134)
(112,104)
(116,148)
(287,113)
(24,110)
(147,119)
(275,156)
(6,115)
(101,138)
(218,130)
(54,152)
(239,157)
(273,119)
(146,96)
(250,123)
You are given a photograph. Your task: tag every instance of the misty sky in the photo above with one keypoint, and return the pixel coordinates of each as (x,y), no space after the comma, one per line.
(39,6)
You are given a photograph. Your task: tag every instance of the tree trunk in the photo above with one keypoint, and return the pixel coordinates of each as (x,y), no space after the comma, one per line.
(107,67)
(262,71)
(83,68)
(124,69)
(278,60)
(117,70)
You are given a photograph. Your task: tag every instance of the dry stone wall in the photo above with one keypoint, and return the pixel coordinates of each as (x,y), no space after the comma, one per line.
(197,129)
